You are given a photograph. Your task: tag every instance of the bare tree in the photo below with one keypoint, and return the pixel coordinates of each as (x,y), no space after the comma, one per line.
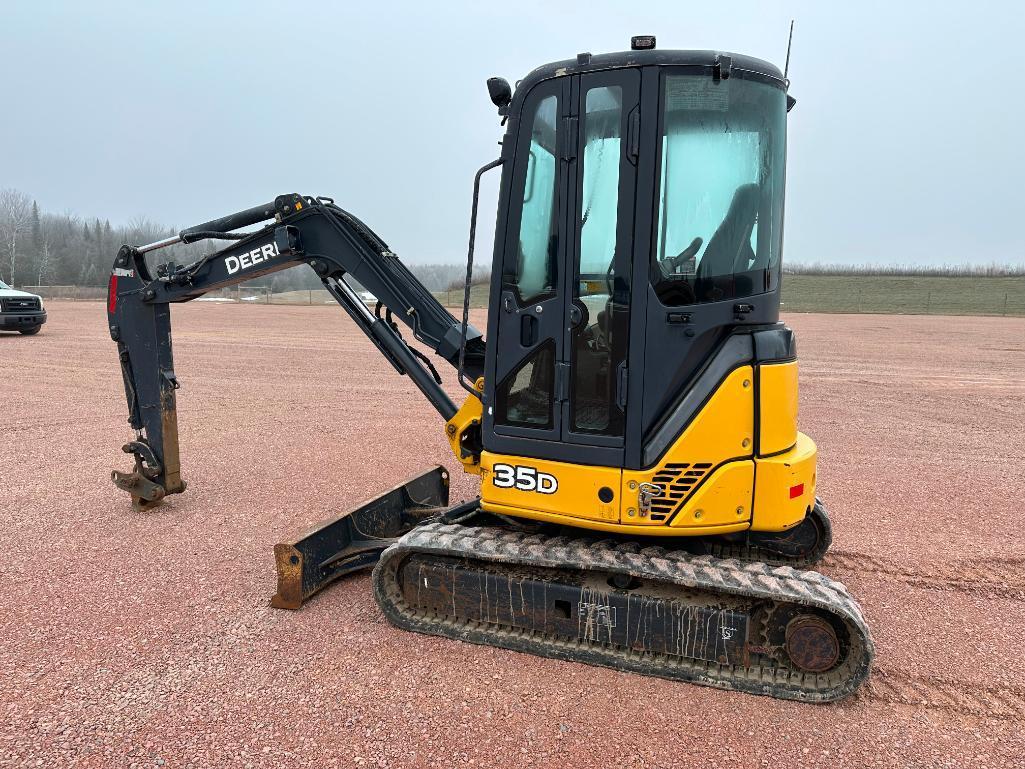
(15,219)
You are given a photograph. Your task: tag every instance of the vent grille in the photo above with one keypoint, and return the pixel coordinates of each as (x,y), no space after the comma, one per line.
(19,303)
(677,480)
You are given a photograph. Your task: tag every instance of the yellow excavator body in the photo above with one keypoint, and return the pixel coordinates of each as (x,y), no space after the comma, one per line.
(712,480)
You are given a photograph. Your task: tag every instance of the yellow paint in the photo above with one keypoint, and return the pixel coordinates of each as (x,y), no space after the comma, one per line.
(576,495)
(619,528)
(774,510)
(469,413)
(724,499)
(777,384)
(722,430)
(731,491)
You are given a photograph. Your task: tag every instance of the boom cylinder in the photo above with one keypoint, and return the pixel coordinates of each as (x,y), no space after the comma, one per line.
(235,221)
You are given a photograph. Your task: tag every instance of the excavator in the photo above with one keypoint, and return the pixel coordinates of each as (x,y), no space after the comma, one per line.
(646,501)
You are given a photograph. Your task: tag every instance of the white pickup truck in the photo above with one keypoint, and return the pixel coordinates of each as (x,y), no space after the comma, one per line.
(20,311)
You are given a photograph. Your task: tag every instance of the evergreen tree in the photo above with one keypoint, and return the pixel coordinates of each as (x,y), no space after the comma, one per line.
(37,229)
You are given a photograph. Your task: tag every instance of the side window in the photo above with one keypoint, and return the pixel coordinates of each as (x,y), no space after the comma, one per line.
(602,117)
(535,269)
(525,397)
(721,189)
(599,343)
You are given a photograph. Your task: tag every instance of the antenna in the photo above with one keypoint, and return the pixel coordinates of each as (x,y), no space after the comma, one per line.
(786,67)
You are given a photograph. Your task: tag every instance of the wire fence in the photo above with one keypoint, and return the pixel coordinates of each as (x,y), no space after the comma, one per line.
(883,294)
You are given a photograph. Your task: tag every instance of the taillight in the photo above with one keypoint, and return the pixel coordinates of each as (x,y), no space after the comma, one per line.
(112,294)
(796,491)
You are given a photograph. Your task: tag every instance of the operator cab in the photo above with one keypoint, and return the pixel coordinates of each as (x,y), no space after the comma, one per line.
(640,221)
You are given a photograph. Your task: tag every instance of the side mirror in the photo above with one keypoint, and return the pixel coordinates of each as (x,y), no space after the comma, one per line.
(500,91)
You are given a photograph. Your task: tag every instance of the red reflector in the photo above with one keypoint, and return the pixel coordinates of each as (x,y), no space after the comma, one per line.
(112,294)
(796,491)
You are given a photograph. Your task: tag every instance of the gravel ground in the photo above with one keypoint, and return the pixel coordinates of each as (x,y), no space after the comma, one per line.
(147,639)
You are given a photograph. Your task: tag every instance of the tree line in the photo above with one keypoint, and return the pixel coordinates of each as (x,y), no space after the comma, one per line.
(39,248)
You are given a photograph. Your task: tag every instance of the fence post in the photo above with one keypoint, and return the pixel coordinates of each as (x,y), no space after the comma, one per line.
(859,300)
(928,301)
(1005,303)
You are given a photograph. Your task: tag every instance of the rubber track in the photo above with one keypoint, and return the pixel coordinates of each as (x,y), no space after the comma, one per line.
(494,546)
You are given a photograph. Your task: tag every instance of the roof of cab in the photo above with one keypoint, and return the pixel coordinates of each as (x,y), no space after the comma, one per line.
(740,65)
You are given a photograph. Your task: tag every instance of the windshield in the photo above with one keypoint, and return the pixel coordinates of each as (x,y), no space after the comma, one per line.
(720,220)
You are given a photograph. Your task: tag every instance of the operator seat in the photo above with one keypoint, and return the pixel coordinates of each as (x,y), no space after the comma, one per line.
(729,251)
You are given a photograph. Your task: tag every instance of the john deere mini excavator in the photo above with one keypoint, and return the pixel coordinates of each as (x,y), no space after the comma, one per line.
(646,501)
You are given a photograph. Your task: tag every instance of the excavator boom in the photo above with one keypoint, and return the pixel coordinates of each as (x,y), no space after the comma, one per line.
(305,230)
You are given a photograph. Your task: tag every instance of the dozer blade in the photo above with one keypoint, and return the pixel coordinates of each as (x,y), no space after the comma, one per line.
(355,539)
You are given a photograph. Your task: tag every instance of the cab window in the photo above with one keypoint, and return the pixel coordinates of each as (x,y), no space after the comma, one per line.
(535,266)
(721,189)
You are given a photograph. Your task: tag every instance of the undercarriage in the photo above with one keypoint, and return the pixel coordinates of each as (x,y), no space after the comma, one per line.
(726,623)
(734,612)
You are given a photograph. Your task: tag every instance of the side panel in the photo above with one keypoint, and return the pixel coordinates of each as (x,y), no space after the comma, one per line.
(777,399)
(784,487)
(724,499)
(539,485)
(721,432)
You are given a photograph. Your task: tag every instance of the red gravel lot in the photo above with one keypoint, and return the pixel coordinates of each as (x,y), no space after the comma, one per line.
(146,639)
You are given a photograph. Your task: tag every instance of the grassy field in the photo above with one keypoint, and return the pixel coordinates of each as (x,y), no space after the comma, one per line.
(913,295)
(898,294)
(454,298)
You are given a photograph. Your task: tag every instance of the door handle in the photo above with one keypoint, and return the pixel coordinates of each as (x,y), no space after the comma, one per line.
(561,381)
(646,494)
(528,330)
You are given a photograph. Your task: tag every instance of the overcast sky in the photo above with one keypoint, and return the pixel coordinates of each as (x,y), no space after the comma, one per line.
(906,144)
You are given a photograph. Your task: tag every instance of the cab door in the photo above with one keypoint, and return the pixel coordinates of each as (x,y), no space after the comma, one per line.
(531,301)
(559,340)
